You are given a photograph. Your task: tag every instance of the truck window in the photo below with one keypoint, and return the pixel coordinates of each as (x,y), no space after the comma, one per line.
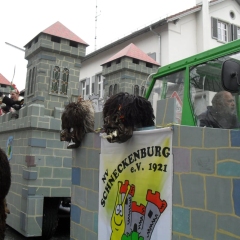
(205,79)
(169,86)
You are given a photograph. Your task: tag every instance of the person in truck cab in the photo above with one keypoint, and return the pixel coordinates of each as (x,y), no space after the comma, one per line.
(222,113)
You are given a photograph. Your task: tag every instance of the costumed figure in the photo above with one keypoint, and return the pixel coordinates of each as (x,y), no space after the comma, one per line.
(123,113)
(12,104)
(77,120)
(5,182)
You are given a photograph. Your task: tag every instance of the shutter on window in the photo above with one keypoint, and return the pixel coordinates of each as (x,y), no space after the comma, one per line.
(234,32)
(35,80)
(214,28)
(95,84)
(51,78)
(87,81)
(87,86)
(80,88)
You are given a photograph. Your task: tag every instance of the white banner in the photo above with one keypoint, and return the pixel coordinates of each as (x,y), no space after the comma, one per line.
(135,187)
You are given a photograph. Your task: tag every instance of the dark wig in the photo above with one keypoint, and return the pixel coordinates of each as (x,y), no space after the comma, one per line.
(77,120)
(136,111)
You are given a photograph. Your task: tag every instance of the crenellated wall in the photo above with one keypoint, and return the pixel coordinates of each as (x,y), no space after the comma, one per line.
(206,182)
(40,165)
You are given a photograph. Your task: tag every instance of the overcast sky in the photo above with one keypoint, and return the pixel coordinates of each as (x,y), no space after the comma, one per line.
(22,20)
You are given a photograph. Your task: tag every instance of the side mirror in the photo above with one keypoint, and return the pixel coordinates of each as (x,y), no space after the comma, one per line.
(231,76)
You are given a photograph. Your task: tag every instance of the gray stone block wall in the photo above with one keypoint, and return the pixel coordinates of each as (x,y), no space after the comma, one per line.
(126,74)
(85,175)
(206,183)
(44,73)
(44,42)
(205,187)
(40,166)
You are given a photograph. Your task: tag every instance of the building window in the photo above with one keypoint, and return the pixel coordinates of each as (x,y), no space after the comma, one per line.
(143,91)
(87,89)
(232,14)
(92,90)
(83,88)
(136,61)
(73,44)
(110,91)
(100,85)
(60,80)
(149,65)
(29,81)
(64,82)
(235,32)
(31,85)
(55,80)
(136,90)
(115,89)
(220,30)
(29,45)
(118,61)
(56,39)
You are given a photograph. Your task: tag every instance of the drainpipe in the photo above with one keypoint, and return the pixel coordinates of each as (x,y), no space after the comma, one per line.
(159,37)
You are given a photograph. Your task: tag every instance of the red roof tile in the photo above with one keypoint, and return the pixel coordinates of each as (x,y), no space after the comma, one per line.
(4,81)
(59,30)
(134,52)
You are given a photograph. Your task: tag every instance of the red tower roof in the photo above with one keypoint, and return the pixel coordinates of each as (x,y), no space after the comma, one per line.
(134,52)
(4,81)
(59,30)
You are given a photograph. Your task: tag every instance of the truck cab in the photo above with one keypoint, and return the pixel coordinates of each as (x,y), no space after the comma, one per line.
(194,81)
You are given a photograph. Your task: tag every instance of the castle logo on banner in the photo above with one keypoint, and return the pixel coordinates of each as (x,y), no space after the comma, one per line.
(135,187)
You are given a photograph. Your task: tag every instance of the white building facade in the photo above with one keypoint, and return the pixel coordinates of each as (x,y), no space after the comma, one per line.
(205,26)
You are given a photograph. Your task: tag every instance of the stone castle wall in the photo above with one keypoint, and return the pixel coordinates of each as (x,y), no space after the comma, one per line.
(206,182)
(40,165)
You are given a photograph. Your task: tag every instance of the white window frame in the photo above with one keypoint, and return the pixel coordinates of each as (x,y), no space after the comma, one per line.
(100,85)
(222,28)
(58,81)
(238,32)
(83,84)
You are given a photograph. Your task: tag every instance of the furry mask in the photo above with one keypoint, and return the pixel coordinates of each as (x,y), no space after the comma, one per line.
(122,113)
(77,120)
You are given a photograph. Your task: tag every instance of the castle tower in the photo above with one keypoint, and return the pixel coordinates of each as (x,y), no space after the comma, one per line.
(54,60)
(127,71)
(41,165)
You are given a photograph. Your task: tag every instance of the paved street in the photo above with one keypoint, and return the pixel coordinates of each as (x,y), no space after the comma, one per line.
(62,232)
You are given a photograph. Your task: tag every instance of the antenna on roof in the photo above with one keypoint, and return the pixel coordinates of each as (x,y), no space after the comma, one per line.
(96,17)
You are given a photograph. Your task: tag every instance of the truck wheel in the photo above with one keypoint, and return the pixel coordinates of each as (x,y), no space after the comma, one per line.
(50,217)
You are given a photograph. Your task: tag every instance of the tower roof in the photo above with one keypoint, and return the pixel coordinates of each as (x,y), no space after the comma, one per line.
(133,52)
(59,30)
(4,81)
